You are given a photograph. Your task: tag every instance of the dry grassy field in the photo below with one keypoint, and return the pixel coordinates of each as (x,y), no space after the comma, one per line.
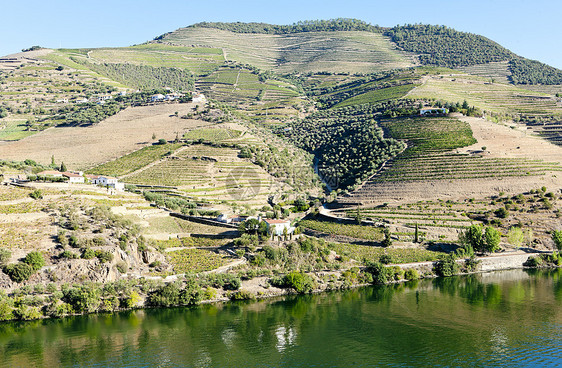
(85,147)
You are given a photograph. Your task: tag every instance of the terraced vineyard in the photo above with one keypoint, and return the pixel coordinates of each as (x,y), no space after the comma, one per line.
(212,135)
(352,52)
(429,160)
(497,71)
(135,160)
(198,60)
(209,172)
(195,260)
(494,97)
(234,85)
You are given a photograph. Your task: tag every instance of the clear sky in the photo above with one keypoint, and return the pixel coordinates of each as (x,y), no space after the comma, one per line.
(530,28)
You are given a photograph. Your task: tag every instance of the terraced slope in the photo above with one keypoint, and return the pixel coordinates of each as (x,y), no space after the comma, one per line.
(436,166)
(339,51)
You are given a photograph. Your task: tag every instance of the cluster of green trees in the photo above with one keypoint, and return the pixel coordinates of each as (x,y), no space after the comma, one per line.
(339,24)
(348,144)
(443,46)
(525,71)
(173,203)
(146,77)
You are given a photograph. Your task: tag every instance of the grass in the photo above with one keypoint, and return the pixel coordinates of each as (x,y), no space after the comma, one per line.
(378,95)
(195,260)
(353,231)
(372,254)
(212,135)
(135,160)
(174,225)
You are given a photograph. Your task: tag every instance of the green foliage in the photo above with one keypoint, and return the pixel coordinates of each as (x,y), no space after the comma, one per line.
(301,282)
(525,71)
(411,274)
(83,298)
(387,241)
(35,260)
(447,266)
(68,255)
(491,239)
(381,273)
(556,238)
(36,194)
(443,46)
(348,144)
(472,237)
(515,236)
(104,256)
(18,272)
(339,24)
(243,295)
(88,253)
(195,260)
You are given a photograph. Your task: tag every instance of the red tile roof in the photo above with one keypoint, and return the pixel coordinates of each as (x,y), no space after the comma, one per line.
(272,221)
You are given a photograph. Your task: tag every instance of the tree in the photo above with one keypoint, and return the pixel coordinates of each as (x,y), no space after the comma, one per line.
(416,235)
(358,217)
(473,237)
(515,236)
(62,167)
(492,239)
(557,238)
(387,241)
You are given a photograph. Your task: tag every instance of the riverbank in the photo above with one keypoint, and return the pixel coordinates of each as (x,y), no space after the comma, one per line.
(50,302)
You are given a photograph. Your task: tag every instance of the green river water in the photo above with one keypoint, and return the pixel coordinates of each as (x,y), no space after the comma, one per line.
(509,318)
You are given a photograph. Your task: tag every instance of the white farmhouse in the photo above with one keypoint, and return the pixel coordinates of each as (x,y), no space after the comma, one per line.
(277,226)
(74,178)
(107,181)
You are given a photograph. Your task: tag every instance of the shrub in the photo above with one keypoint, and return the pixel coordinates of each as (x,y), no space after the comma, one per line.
(121,267)
(243,295)
(18,272)
(385,259)
(381,273)
(446,266)
(5,256)
(83,298)
(299,281)
(68,254)
(491,239)
(88,253)
(35,260)
(104,256)
(36,194)
(556,238)
(411,274)
(471,264)
(533,262)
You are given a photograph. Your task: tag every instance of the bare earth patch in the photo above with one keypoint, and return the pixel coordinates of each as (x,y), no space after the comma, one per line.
(85,147)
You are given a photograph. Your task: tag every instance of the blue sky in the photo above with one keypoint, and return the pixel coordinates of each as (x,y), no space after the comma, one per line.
(529,28)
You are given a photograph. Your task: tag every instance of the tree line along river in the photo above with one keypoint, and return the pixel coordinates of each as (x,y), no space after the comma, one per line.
(508,318)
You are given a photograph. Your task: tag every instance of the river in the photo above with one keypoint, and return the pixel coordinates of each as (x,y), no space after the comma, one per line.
(508,318)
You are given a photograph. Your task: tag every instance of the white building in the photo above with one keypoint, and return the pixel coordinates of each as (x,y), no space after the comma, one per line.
(106,181)
(277,226)
(198,97)
(433,111)
(74,178)
(157,97)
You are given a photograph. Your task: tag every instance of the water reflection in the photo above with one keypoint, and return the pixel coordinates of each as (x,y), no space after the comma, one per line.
(495,316)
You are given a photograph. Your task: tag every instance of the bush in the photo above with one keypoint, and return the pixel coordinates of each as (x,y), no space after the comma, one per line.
(446,266)
(88,253)
(18,272)
(533,262)
(36,194)
(35,260)
(104,256)
(68,254)
(83,298)
(381,273)
(299,281)
(243,295)
(5,256)
(411,274)
(556,238)
(121,267)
